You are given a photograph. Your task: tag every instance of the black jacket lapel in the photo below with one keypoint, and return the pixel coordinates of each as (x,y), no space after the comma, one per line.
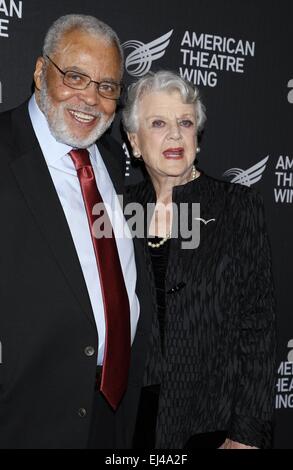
(114,159)
(34,180)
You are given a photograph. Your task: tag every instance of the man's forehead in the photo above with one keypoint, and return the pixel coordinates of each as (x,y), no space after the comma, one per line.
(78,38)
(87,52)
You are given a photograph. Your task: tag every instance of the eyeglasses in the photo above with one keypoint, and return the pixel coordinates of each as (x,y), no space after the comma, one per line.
(80,81)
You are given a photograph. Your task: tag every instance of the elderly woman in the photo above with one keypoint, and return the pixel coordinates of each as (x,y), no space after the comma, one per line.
(211,347)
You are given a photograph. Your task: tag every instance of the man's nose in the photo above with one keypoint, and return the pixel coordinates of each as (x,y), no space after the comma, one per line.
(90,94)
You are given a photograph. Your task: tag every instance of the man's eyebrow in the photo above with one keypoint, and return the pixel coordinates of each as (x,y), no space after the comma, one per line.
(75,68)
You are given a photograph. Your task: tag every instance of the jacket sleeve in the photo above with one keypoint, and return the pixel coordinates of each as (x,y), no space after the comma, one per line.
(252,416)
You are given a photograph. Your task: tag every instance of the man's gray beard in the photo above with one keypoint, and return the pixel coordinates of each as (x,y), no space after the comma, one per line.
(58,127)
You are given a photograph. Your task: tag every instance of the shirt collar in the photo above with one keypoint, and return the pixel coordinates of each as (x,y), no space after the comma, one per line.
(52,150)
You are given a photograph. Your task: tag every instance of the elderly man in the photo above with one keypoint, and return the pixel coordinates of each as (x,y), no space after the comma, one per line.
(70,370)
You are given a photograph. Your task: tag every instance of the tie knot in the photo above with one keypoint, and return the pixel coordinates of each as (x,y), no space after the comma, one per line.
(80,158)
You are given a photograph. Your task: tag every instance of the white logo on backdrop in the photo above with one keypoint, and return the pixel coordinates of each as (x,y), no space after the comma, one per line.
(128,159)
(290,94)
(140,60)
(284,184)
(284,385)
(250,176)
(9,9)
(290,354)
(205,56)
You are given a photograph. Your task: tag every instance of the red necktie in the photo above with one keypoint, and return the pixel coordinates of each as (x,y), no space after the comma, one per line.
(115,298)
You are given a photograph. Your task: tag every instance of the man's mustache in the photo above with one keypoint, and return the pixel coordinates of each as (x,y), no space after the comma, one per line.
(85,109)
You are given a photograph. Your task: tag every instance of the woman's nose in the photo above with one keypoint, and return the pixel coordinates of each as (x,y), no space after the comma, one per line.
(174,132)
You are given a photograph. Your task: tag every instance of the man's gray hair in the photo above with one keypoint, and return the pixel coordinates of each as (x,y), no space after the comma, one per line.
(162,81)
(88,24)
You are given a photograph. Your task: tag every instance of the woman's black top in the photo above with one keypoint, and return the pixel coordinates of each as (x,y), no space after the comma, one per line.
(159,257)
(218,369)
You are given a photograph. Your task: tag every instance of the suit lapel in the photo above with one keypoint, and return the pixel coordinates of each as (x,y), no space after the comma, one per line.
(33,177)
(112,163)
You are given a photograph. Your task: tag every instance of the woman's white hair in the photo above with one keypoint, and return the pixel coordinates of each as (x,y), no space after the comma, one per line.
(88,24)
(162,81)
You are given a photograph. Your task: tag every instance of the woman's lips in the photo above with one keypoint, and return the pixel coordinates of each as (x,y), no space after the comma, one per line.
(174,153)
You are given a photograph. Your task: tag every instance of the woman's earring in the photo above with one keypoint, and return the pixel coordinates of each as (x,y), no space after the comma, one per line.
(137,155)
(198,150)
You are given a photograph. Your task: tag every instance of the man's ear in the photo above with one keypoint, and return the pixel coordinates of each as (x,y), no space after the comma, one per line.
(39,70)
(133,139)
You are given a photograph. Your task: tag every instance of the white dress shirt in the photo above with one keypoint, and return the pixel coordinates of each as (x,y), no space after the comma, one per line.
(67,185)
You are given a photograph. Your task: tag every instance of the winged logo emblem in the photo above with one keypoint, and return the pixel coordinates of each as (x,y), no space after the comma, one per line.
(140,60)
(250,176)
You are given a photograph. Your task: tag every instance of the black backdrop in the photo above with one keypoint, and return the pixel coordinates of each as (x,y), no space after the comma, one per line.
(240,54)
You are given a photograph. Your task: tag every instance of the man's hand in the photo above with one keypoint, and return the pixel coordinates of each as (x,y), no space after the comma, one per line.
(229,444)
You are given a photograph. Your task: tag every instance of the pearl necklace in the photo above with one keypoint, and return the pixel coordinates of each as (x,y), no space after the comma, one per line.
(193,173)
(168,236)
(161,242)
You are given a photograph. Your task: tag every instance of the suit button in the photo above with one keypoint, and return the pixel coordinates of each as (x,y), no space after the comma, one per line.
(89,351)
(82,412)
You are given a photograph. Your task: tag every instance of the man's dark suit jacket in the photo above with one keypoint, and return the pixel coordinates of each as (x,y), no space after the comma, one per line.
(46,319)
